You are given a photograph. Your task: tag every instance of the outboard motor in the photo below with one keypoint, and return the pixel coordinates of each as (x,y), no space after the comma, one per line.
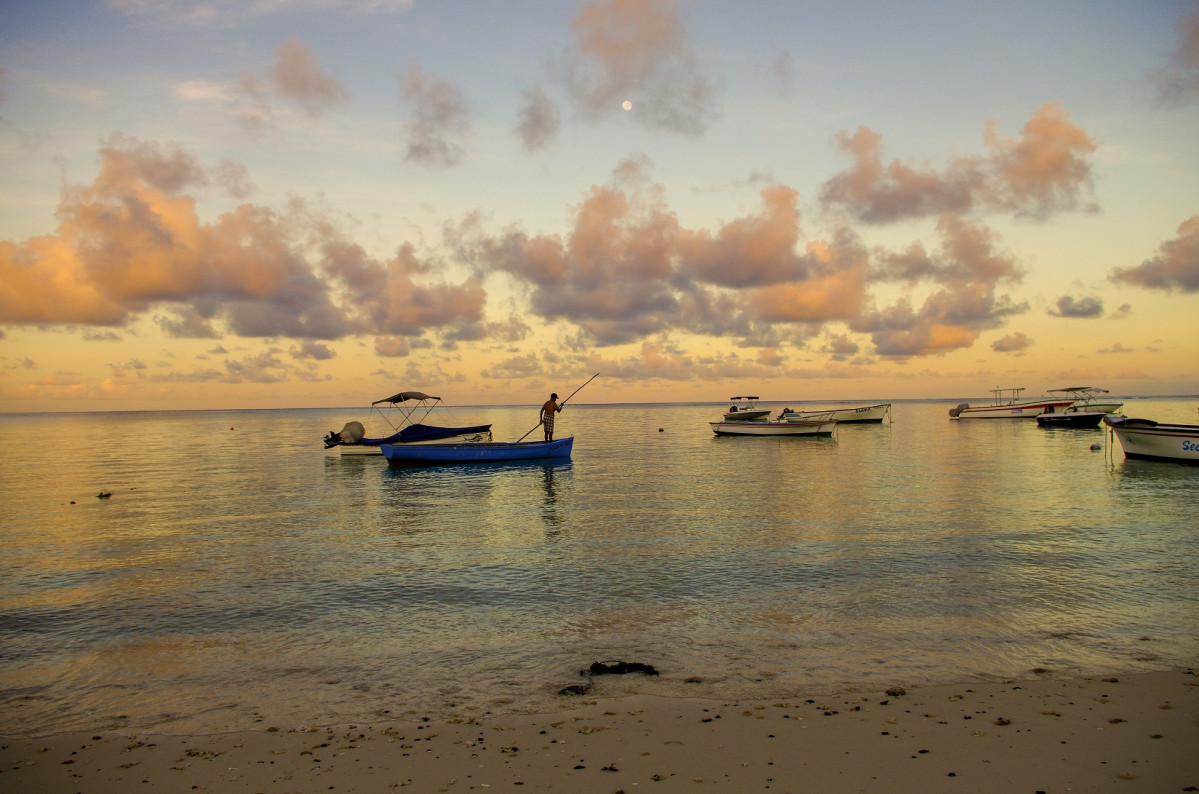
(352,433)
(954,412)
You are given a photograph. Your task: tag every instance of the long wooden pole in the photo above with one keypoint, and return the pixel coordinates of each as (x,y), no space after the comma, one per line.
(576,391)
(572,394)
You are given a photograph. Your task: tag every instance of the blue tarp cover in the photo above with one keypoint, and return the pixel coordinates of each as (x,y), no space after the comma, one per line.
(419,432)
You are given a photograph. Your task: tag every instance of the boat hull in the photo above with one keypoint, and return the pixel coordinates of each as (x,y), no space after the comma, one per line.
(1082,420)
(401,455)
(863,414)
(1148,440)
(766,428)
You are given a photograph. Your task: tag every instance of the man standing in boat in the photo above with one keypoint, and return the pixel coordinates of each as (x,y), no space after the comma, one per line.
(547,415)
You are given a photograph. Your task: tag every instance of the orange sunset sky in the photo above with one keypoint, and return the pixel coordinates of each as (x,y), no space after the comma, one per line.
(306,203)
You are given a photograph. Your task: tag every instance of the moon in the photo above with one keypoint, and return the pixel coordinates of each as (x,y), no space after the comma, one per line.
(627,105)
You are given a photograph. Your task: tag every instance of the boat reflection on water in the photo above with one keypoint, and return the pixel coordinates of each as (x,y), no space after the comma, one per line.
(509,482)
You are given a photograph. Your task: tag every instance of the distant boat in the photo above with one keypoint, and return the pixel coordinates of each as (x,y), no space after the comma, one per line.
(1007,405)
(408,405)
(810,427)
(1093,399)
(401,455)
(745,409)
(1085,412)
(865,413)
(1149,440)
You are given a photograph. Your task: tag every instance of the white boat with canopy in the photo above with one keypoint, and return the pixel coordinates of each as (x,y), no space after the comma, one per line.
(406,424)
(745,409)
(1007,404)
(857,414)
(818,426)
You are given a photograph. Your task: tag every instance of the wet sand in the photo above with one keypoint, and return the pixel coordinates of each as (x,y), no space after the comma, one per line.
(1136,733)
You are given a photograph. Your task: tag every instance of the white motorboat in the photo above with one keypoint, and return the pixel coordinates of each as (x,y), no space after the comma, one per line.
(860,414)
(406,425)
(1149,440)
(745,409)
(768,427)
(1008,405)
(1090,398)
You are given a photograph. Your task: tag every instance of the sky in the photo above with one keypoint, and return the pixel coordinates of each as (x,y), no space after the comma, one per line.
(318,203)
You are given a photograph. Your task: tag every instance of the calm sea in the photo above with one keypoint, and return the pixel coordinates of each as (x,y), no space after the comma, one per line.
(242,577)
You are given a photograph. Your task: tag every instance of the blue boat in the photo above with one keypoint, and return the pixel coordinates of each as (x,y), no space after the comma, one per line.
(479,452)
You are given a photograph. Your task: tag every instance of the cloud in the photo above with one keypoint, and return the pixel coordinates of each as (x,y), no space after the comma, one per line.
(295,77)
(877,193)
(265,367)
(538,119)
(751,251)
(1068,306)
(391,346)
(1045,170)
(665,360)
(519,367)
(134,364)
(387,297)
(317,351)
(1176,264)
(439,112)
(840,347)
(1177,83)
(187,322)
(514,329)
(627,270)
(611,275)
(782,72)
(222,13)
(637,50)
(1040,173)
(132,243)
(251,103)
(234,178)
(298,76)
(964,302)
(1012,343)
(101,336)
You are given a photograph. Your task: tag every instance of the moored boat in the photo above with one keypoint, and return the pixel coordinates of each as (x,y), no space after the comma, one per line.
(406,425)
(745,409)
(1008,405)
(1086,412)
(400,455)
(1149,440)
(1091,399)
(859,414)
(811,427)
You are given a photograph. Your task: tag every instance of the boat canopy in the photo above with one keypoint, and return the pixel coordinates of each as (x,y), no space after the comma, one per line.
(743,398)
(1088,389)
(404,396)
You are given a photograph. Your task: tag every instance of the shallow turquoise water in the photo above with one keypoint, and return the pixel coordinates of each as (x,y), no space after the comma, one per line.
(240,575)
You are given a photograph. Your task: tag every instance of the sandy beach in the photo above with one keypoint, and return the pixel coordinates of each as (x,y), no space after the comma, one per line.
(1119,733)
